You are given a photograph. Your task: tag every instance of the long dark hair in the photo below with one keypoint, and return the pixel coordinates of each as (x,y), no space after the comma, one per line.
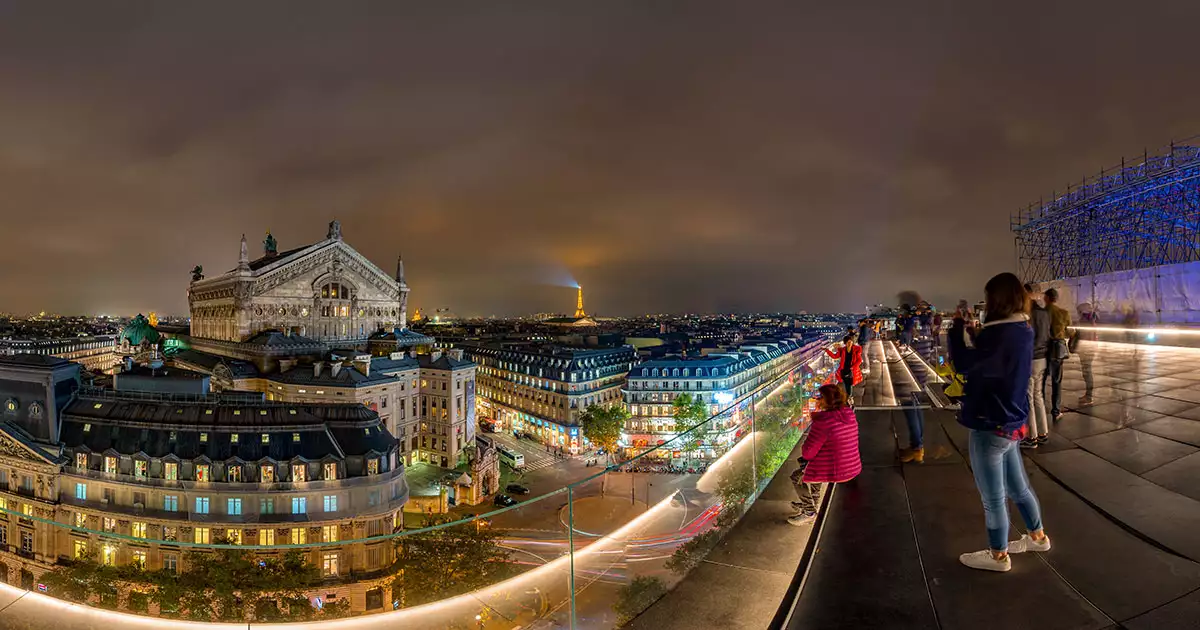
(1005,296)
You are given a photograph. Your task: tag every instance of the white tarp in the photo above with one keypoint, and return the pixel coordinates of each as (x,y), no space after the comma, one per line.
(1169,294)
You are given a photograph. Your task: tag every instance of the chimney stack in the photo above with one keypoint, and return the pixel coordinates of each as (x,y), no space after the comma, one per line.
(363,363)
(456,354)
(435,355)
(335,368)
(317,368)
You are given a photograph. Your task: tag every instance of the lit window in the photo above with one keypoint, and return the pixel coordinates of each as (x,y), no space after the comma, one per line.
(266,438)
(171,471)
(138,530)
(330,470)
(262,412)
(203,437)
(266,473)
(295,437)
(108,524)
(110,465)
(304,391)
(87,427)
(266,506)
(321,391)
(139,468)
(171,503)
(329,533)
(208,412)
(171,562)
(201,535)
(237,412)
(299,536)
(373,466)
(202,505)
(80,519)
(203,472)
(329,564)
(138,558)
(108,555)
(266,537)
(233,473)
(299,472)
(81,491)
(233,507)
(233,438)
(299,505)
(80,549)
(234,536)
(330,501)
(95,406)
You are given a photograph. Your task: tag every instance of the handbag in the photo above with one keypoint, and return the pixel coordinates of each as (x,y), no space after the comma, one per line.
(1059,350)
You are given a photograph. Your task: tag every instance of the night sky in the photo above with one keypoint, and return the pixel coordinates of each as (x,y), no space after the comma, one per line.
(671,157)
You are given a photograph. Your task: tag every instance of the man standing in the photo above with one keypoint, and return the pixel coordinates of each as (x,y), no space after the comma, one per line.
(1060,321)
(1039,427)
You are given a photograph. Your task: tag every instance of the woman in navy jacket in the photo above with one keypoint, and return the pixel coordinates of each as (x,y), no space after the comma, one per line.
(996,360)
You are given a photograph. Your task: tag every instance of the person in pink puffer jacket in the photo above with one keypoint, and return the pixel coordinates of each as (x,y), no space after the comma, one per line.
(829,455)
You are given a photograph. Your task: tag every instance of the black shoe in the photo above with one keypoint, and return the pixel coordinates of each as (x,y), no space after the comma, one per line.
(1042,439)
(1028,443)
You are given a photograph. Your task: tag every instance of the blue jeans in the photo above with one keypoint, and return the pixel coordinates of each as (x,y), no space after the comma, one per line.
(999,473)
(916,426)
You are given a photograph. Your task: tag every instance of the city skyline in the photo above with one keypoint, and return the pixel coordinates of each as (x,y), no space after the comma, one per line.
(718,161)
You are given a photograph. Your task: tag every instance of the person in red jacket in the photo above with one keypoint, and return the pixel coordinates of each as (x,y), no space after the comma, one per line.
(830,452)
(850,359)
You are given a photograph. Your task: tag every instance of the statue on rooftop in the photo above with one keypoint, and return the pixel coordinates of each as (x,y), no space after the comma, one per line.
(270,246)
(335,230)
(197,273)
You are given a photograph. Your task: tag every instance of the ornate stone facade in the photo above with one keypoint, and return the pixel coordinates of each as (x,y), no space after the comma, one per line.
(326,291)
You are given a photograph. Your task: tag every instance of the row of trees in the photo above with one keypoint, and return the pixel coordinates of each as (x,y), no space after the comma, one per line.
(238,585)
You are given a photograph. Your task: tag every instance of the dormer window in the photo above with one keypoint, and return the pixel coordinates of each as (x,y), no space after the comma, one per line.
(233,473)
(299,472)
(266,473)
(373,466)
(203,472)
(171,471)
(110,465)
(81,460)
(330,470)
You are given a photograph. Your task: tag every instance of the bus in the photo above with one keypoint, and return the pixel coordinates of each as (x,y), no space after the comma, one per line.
(510,457)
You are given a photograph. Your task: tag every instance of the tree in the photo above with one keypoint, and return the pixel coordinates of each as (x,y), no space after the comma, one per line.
(449,561)
(602,426)
(691,418)
(638,595)
(689,555)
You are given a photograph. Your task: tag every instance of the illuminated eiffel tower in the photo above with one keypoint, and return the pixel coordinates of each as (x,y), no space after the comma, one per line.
(579,312)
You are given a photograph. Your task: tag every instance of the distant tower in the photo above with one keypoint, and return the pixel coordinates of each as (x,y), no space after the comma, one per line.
(579,312)
(403,286)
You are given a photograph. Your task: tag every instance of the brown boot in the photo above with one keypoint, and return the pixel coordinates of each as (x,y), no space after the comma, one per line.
(916,455)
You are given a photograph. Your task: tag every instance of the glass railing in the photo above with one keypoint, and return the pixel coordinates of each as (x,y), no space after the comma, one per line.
(602,543)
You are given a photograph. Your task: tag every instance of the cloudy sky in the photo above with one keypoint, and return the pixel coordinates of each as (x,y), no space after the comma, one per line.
(669,156)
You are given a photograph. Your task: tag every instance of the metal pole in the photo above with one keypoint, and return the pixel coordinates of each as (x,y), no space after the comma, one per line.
(753,446)
(571,547)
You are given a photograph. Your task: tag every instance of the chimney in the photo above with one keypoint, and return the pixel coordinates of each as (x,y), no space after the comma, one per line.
(335,368)
(317,368)
(435,355)
(363,363)
(456,354)
(397,356)
(286,364)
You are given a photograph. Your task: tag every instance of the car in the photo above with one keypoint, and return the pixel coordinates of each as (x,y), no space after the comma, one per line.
(503,500)
(516,488)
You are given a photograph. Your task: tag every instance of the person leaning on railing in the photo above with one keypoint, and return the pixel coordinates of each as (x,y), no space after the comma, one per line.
(829,454)
(997,359)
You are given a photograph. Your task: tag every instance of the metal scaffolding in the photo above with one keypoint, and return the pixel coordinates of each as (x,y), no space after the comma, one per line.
(1129,217)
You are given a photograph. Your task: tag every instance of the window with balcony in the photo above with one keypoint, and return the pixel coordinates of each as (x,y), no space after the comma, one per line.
(329,533)
(110,465)
(201,505)
(170,471)
(266,537)
(81,491)
(171,503)
(81,460)
(299,505)
(330,501)
(138,529)
(330,470)
(266,473)
(233,507)
(201,536)
(299,472)
(266,506)
(299,536)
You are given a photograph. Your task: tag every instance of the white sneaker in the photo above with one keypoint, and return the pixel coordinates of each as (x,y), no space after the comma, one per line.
(986,561)
(1027,543)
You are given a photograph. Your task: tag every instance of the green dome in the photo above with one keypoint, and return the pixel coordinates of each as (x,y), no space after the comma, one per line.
(139,330)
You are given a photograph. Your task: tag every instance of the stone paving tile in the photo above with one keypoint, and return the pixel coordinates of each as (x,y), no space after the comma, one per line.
(1076,425)
(1108,394)
(1142,388)
(1179,476)
(1121,413)
(1184,393)
(1190,414)
(1167,380)
(1166,406)
(1135,451)
(1178,429)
